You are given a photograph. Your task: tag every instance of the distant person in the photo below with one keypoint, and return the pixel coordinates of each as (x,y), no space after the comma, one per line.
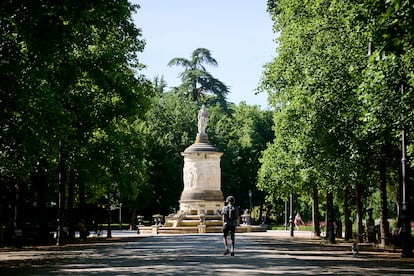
(230,218)
(298,221)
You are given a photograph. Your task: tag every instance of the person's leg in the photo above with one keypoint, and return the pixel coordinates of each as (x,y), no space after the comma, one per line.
(226,249)
(225,242)
(232,236)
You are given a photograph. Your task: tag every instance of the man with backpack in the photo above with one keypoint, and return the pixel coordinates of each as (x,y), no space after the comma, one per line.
(230,217)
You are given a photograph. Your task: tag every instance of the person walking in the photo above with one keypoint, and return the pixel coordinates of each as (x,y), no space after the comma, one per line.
(298,221)
(230,217)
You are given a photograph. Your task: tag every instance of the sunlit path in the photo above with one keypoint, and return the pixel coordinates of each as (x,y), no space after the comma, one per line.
(203,255)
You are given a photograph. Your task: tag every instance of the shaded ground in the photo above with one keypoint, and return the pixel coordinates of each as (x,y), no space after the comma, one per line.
(256,254)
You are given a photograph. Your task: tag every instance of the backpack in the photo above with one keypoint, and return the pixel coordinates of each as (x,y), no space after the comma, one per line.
(231,215)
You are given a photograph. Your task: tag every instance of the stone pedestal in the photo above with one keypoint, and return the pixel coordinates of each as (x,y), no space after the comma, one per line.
(202,178)
(202,229)
(246,219)
(201,199)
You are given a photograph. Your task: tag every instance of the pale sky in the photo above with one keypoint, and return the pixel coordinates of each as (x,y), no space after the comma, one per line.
(238,34)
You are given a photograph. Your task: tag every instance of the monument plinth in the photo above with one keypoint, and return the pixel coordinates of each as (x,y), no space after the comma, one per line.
(201,174)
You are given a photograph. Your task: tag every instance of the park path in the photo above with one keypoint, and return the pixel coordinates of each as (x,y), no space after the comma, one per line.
(256,254)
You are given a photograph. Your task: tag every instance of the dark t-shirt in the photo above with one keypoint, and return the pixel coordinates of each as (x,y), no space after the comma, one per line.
(231,215)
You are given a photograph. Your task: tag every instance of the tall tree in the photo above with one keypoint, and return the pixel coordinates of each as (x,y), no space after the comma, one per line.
(387,87)
(243,134)
(197,82)
(66,83)
(310,85)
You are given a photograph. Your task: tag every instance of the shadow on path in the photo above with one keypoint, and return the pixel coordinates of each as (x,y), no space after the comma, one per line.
(202,255)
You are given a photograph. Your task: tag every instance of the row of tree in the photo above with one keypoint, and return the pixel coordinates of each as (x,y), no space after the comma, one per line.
(339,111)
(70,88)
(83,132)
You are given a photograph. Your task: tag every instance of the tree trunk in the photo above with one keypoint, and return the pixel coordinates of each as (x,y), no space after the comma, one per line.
(82,202)
(330,218)
(261,214)
(315,212)
(109,233)
(194,91)
(40,182)
(15,222)
(384,209)
(70,199)
(347,214)
(2,204)
(358,203)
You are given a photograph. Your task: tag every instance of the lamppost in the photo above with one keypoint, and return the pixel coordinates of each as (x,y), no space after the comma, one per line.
(250,201)
(61,196)
(120,216)
(370,189)
(251,208)
(286,215)
(291,214)
(405,218)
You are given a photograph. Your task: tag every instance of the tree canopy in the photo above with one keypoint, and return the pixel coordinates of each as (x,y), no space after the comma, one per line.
(70,74)
(197,82)
(333,103)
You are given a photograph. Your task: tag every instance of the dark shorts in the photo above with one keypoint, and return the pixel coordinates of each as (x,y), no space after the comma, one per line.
(229,229)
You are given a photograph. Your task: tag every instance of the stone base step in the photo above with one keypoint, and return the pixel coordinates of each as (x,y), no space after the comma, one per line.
(187,222)
(178,230)
(192,221)
(154,230)
(197,217)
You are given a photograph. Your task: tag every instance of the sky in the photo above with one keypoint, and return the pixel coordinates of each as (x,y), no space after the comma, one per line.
(238,34)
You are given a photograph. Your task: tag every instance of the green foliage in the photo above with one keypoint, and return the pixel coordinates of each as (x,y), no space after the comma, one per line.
(170,127)
(310,86)
(338,113)
(197,82)
(71,76)
(242,133)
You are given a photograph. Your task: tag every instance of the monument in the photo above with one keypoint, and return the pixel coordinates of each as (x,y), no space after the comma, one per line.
(201,174)
(201,200)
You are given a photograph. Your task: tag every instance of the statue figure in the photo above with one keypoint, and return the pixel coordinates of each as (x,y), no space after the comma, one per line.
(202,120)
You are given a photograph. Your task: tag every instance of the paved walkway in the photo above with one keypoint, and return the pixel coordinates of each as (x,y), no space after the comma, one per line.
(272,253)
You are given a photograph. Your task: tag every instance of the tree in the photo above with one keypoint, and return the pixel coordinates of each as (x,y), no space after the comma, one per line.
(242,134)
(197,82)
(310,85)
(170,128)
(346,109)
(65,84)
(387,87)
